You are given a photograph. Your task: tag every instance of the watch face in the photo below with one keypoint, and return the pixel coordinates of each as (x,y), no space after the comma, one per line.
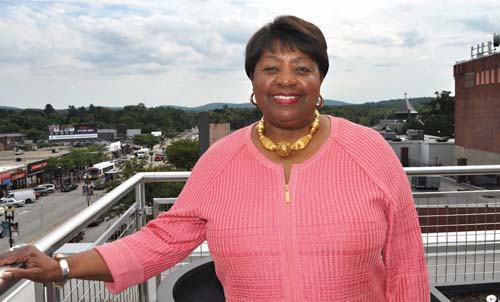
(59,256)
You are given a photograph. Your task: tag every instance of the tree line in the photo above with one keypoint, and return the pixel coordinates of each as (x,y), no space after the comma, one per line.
(436,116)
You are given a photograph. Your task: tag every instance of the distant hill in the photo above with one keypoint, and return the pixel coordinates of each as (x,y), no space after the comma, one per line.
(397,102)
(212,106)
(10,108)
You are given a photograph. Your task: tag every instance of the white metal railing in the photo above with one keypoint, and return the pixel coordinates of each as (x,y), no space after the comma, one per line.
(445,243)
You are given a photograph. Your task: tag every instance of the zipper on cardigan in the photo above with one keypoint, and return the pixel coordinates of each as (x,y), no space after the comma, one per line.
(287,194)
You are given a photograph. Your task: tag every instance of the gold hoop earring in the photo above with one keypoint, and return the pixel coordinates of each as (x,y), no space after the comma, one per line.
(252,100)
(321,102)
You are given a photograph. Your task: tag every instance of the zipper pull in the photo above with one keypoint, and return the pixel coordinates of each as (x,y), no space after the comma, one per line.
(287,194)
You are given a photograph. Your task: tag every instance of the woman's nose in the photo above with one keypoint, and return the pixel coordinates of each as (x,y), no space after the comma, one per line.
(287,77)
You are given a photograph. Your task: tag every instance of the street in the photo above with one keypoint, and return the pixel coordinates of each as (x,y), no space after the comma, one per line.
(46,213)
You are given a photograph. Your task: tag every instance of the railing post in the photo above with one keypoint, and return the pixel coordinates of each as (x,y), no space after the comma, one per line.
(40,292)
(140,221)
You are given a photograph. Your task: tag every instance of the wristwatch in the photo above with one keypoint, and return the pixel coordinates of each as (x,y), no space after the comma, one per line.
(63,264)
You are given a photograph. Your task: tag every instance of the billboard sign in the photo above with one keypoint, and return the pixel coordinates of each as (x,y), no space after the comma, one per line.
(37,167)
(62,132)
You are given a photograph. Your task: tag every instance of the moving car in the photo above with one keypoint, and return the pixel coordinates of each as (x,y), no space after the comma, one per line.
(69,187)
(42,190)
(100,184)
(11,202)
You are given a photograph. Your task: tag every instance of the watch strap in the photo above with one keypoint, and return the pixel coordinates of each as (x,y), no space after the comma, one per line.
(63,265)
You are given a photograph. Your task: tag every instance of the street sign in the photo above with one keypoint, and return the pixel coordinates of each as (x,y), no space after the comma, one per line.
(5,227)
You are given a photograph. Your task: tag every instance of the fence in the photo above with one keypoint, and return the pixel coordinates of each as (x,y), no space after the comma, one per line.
(460,230)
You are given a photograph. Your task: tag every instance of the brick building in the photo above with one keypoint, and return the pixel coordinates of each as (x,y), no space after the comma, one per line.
(477,110)
(10,141)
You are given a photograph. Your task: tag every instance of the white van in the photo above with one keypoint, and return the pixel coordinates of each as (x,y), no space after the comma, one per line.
(27,196)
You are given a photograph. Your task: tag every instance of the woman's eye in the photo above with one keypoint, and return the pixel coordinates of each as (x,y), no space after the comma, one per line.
(270,68)
(303,69)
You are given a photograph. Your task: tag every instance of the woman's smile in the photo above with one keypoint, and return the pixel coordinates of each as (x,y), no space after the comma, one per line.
(286,99)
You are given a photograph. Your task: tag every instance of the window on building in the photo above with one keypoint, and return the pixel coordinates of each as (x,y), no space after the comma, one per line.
(492,76)
(482,77)
(478,78)
(469,80)
(487,77)
(405,157)
(498,75)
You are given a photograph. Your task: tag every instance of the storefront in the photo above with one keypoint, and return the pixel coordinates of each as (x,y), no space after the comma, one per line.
(18,178)
(4,183)
(36,173)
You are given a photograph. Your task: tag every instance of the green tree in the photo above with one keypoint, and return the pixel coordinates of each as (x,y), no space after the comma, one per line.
(35,134)
(183,154)
(147,140)
(439,115)
(49,109)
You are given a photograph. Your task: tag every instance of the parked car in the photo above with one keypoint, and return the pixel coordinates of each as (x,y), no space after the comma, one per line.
(27,196)
(69,187)
(11,202)
(50,187)
(97,221)
(78,237)
(42,190)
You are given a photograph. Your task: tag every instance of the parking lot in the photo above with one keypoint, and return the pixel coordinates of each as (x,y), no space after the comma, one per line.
(45,214)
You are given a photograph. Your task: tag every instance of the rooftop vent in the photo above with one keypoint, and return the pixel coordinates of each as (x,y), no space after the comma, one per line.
(415,135)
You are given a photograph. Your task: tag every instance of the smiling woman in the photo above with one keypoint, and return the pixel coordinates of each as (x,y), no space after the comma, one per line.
(297,207)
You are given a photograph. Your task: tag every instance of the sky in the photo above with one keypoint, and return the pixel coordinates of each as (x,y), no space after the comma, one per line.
(191,52)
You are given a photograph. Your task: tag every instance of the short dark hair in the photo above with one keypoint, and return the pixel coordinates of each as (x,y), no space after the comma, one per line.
(289,32)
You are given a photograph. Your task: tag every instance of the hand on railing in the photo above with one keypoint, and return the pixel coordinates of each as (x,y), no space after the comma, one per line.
(38,266)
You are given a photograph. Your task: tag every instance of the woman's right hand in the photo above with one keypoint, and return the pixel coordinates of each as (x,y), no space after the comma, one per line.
(38,266)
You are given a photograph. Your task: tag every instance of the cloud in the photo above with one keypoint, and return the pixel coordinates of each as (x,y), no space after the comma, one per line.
(115,38)
(411,38)
(482,24)
(386,65)
(381,41)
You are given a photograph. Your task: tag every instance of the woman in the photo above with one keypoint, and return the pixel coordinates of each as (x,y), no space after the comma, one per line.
(298,207)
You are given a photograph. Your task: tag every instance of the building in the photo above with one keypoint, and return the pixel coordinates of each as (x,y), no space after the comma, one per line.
(107,134)
(121,131)
(397,121)
(218,131)
(10,141)
(209,132)
(415,151)
(133,132)
(406,110)
(477,109)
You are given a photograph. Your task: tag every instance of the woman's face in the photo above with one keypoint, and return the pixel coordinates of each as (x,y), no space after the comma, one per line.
(286,84)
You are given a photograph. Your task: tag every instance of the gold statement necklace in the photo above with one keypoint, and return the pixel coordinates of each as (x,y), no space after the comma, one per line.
(284,148)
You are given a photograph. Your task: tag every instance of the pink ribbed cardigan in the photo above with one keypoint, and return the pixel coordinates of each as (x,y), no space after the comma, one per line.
(350,232)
